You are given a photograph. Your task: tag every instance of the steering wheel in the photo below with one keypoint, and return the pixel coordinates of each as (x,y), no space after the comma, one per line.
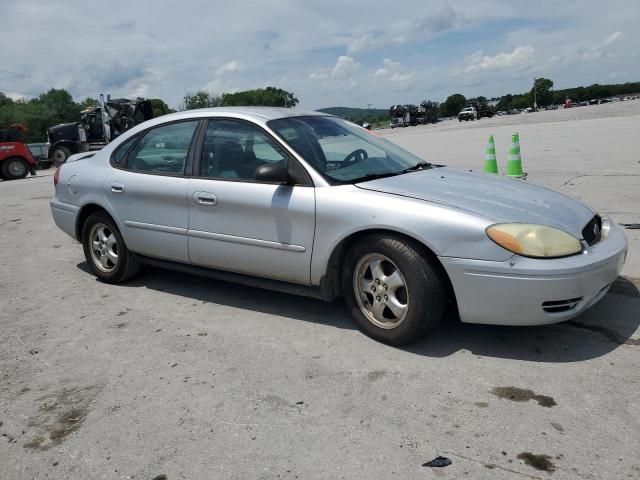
(356,156)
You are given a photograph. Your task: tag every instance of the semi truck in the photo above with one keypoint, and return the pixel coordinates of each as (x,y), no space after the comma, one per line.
(98,125)
(406,115)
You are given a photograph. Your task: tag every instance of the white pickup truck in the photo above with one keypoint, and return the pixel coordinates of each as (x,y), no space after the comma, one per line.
(468,113)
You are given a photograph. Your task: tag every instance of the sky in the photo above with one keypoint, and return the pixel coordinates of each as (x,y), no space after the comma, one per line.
(329,53)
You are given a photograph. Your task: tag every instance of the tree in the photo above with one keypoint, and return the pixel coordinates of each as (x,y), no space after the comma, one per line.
(480,100)
(543,88)
(200,99)
(159,107)
(453,104)
(269,97)
(505,102)
(88,103)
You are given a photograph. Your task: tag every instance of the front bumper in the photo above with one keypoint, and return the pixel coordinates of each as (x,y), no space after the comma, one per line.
(527,291)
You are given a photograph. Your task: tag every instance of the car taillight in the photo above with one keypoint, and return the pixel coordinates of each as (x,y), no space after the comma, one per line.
(56,176)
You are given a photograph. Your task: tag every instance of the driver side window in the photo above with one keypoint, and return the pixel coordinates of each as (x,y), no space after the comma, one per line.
(233,150)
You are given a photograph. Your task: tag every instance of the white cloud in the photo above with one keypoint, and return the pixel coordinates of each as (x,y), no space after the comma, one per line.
(521,56)
(362,43)
(402,77)
(139,90)
(613,38)
(599,50)
(230,67)
(381,73)
(318,75)
(344,67)
(15,96)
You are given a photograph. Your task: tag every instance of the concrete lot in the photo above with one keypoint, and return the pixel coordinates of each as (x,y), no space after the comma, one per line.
(178,375)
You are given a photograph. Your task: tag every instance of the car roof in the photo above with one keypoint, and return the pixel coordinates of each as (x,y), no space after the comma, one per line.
(258,113)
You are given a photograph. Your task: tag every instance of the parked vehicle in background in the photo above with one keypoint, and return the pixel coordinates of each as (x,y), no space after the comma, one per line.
(98,125)
(468,113)
(411,115)
(311,204)
(400,116)
(427,112)
(40,152)
(16,160)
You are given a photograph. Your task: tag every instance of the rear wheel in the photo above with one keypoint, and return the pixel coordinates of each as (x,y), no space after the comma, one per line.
(392,289)
(60,155)
(107,255)
(14,168)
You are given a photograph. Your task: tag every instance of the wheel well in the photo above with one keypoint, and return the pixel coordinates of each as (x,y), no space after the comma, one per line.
(84,214)
(19,157)
(332,281)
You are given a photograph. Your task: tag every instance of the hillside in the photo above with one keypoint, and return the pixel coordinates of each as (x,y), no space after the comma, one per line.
(356,114)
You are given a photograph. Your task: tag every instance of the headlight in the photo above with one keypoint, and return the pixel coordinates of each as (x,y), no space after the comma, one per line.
(529,240)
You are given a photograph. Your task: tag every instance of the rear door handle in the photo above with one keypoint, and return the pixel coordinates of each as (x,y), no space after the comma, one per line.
(205,198)
(117,188)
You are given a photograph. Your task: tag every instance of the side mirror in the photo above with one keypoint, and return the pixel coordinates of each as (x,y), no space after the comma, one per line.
(273,173)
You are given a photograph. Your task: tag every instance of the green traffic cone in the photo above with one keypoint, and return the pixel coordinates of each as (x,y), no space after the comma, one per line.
(514,164)
(490,163)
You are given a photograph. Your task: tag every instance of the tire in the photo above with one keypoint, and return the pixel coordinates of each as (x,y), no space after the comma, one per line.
(14,168)
(59,155)
(101,229)
(406,280)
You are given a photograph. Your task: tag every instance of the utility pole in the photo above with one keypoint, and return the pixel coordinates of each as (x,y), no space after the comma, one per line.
(535,96)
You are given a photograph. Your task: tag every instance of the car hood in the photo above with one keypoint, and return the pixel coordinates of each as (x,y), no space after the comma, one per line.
(499,199)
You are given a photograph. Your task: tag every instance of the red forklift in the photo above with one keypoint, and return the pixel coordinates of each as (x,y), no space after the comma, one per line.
(16,160)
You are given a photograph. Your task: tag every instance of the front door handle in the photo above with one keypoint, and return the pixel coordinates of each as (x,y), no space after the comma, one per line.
(205,198)
(117,188)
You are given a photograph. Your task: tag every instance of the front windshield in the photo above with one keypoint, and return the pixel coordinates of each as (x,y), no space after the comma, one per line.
(341,151)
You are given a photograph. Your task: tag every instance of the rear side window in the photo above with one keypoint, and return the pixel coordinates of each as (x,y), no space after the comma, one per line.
(119,156)
(163,149)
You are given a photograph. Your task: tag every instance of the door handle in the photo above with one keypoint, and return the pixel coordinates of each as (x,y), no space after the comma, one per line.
(205,198)
(117,188)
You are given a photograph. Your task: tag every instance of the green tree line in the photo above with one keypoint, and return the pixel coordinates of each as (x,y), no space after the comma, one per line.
(266,97)
(543,94)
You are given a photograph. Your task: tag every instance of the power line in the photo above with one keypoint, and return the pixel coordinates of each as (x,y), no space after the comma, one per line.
(49,86)
(24,75)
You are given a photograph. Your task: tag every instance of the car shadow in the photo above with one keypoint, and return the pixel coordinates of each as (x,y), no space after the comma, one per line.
(608,325)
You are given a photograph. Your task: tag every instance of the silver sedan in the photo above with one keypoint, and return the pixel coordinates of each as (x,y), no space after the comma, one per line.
(311,204)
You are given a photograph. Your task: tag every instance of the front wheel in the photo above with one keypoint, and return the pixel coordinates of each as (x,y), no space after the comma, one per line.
(107,255)
(393,290)
(14,168)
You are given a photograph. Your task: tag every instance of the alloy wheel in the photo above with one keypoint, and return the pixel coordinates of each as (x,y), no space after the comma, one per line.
(104,247)
(381,291)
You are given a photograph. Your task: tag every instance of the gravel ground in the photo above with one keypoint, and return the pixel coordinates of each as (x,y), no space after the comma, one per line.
(181,376)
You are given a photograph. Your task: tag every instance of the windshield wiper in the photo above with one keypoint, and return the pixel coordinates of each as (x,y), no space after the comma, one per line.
(371,176)
(417,166)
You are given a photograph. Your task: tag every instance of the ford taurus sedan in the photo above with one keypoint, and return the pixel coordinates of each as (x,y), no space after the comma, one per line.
(312,204)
